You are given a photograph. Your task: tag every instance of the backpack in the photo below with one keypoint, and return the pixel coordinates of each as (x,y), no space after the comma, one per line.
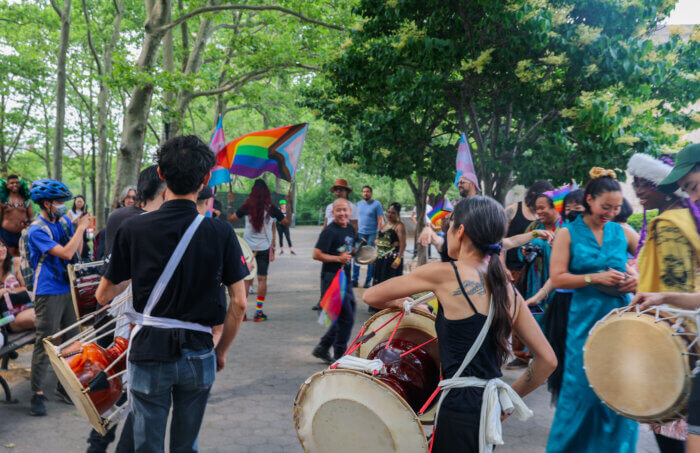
(25,265)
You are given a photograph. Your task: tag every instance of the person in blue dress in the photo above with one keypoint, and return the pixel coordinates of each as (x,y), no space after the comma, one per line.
(590,251)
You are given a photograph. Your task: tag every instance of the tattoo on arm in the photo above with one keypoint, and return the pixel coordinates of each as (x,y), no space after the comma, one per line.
(510,213)
(472,287)
(528,373)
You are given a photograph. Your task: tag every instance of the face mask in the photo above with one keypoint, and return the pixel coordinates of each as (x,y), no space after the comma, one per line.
(571,216)
(60,211)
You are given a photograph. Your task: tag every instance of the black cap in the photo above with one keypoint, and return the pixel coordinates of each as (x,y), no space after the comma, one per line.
(205,193)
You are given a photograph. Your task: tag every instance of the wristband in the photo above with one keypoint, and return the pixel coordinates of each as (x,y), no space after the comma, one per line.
(534,233)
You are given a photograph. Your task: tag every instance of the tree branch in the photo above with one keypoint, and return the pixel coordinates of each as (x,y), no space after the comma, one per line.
(88,105)
(89,37)
(253,75)
(150,126)
(56,8)
(217,8)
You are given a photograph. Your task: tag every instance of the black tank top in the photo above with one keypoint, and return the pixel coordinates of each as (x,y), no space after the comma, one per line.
(517,226)
(455,338)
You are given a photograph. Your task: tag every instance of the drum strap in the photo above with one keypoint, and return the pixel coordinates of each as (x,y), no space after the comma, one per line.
(498,396)
(145,318)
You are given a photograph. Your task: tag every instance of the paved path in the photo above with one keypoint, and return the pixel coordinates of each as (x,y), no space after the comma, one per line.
(250,409)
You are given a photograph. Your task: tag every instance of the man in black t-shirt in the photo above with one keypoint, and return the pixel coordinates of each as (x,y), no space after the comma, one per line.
(171,363)
(333,249)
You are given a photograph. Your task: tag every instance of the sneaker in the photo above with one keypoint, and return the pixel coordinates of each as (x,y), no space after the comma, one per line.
(245,317)
(372,310)
(516,364)
(316,307)
(37,407)
(355,284)
(251,291)
(368,284)
(281,252)
(292,252)
(322,354)
(61,393)
(259,317)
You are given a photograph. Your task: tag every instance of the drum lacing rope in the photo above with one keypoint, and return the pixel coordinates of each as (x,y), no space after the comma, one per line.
(360,339)
(350,362)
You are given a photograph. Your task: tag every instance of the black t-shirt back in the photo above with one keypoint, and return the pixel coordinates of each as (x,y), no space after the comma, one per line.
(114,220)
(142,247)
(333,240)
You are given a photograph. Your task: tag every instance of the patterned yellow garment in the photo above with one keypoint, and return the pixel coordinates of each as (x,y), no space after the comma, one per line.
(669,262)
(669,259)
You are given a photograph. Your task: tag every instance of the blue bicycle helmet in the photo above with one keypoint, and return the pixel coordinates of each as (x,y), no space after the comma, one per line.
(50,189)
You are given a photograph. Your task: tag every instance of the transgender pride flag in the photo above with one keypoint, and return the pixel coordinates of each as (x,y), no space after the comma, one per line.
(219,174)
(465,166)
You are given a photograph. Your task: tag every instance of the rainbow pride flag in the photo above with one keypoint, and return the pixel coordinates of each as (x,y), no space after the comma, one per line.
(440,211)
(219,174)
(274,150)
(558,195)
(332,301)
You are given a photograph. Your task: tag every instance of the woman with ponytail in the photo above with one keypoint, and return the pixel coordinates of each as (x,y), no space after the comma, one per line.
(587,254)
(473,294)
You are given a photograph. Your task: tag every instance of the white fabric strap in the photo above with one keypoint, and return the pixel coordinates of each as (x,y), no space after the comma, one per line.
(350,362)
(498,396)
(173,262)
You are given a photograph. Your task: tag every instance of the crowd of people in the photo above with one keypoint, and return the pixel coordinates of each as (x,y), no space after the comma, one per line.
(518,287)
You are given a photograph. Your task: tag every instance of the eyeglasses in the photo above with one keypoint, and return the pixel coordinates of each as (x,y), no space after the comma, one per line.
(130,197)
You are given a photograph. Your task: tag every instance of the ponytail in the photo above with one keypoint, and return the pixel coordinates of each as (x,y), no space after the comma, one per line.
(484,222)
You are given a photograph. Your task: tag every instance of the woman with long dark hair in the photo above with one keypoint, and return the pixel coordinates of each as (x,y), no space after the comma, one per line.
(14,298)
(474,295)
(259,212)
(589,252)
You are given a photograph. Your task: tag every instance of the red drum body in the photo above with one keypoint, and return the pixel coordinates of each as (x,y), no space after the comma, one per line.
(87,365)
(84,279)
(414,376)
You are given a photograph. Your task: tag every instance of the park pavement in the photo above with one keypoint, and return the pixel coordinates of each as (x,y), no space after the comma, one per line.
(250,409)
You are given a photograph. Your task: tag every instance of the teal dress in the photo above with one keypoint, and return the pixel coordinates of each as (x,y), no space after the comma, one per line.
(582,423)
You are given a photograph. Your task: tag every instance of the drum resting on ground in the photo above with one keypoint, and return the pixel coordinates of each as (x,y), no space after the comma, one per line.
(640,363)
(343,410)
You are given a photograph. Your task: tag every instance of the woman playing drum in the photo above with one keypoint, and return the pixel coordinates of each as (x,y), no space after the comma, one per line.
(467,289)
(591,250)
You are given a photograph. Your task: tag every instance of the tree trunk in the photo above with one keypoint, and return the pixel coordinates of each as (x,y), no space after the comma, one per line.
(103,170)
(420,191)
(61,91)
(138,109)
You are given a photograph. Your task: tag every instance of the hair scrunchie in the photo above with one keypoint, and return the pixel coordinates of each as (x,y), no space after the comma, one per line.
(494,249)
(598,172)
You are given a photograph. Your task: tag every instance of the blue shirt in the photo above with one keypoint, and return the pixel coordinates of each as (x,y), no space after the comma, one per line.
(368,213)
(53,277)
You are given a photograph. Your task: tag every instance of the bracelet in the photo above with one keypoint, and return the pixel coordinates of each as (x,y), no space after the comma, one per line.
(534,233)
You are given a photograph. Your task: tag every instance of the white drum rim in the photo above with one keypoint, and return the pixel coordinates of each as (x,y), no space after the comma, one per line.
(74,389)
(676,410)
(417,442)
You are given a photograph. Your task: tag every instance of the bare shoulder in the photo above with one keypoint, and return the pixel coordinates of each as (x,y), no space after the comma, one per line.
(511,210)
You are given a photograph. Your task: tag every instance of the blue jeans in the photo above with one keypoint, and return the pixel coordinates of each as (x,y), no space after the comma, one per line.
(370,238)
(187,383)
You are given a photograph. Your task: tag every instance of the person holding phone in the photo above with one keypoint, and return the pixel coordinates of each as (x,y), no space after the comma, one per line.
(591,251)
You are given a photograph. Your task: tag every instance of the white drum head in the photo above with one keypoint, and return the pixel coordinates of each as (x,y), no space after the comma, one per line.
(638,366)
(345,411)
(249,258)
(74,389)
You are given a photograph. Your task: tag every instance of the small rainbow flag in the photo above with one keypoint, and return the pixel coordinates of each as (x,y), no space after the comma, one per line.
(440,211)
(558,195)
(332,301)
(219,174)
(274,150)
